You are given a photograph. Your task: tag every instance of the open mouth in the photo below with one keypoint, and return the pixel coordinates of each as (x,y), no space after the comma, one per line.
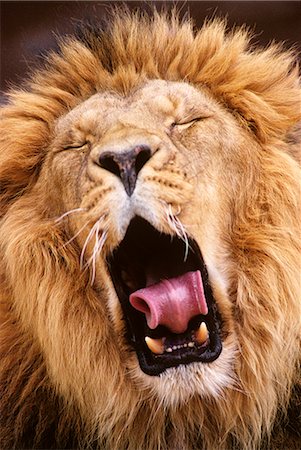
(166,298)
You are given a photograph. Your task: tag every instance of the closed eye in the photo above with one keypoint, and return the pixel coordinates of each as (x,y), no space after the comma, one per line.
(75,146)
(181,126)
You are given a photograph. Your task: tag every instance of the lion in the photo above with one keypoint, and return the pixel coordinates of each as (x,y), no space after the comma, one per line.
(149,240)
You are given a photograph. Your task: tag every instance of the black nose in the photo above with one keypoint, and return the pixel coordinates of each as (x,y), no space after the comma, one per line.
(126,165)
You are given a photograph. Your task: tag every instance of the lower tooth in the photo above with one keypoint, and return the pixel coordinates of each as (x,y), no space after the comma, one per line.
(201,335)
(155,345)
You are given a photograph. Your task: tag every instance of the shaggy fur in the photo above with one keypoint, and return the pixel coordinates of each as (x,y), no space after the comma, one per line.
(68,378)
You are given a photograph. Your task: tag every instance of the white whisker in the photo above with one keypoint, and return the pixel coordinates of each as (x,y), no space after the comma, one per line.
(178,228)
(97,249)
(89,237)
(182,235)
(93,257)
(99,243)
(59,219)
(75,236)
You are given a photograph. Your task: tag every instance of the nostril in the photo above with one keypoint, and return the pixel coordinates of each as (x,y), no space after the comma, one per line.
(106,161)
(126,165)
(143,155)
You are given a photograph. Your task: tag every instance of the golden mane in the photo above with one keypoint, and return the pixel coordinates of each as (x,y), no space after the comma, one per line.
(260,87)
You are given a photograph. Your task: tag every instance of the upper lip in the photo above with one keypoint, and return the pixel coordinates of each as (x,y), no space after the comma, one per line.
(145,253)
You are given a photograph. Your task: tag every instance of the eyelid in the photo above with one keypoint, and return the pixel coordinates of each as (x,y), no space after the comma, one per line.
(186,124)
(75,146)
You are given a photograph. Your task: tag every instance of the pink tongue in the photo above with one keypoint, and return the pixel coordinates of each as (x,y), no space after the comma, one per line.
(172,302)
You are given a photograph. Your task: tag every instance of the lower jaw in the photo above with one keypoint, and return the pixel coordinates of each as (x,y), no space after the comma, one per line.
(177,386)
(156,366)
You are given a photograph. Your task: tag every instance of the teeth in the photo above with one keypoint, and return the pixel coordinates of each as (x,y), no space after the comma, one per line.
(178,347)
(201,335)
(155,345)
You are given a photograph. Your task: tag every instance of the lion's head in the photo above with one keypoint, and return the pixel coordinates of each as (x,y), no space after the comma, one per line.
(149,240)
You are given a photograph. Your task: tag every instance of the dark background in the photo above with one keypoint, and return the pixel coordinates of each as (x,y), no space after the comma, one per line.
(29,28)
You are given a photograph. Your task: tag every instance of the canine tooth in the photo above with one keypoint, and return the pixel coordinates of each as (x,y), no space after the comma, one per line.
(169,349)
(190,344)
(155,345)
(201,335)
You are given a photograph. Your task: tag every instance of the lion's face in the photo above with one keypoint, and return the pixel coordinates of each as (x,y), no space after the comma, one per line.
(146,184)
(150,239)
